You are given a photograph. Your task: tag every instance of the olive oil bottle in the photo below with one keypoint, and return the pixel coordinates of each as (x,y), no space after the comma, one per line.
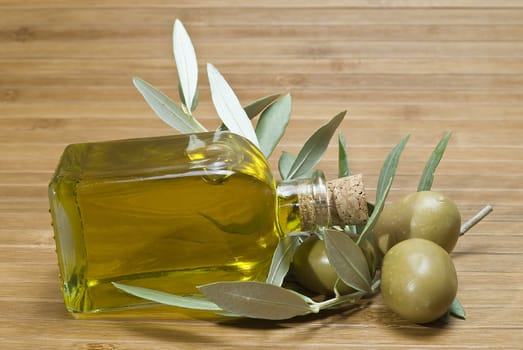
(175,212)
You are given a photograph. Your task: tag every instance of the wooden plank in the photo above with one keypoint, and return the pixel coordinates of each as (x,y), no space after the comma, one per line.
(303,81)
(229,31)
(265,16)
(209,51)
(24,99)
(47,68)
(248,4)
(205,334)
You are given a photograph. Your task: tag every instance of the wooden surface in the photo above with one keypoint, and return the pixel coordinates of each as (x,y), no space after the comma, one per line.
(399,67)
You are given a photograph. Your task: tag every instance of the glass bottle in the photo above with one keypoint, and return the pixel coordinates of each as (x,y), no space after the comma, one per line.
(175,212)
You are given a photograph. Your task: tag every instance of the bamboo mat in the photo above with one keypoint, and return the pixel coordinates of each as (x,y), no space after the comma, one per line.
(398,67)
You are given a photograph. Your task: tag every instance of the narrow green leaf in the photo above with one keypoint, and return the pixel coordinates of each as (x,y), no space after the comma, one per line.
(445,318)
(272,124)
(314,147)
(387,173)
(427,176)
(389,167)
(343,159)
(376,211)
(285,163)
(256,107)
(344,166)
(195,100)
(166,109)
(190,302)
(457,310)
(182,98)
(186,63)
(282,258)
(228,106)
(347,260)
(358,229)
(256,300)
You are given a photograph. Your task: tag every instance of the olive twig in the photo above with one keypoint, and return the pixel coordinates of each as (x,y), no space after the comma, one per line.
(475,219)
(375,285)
(352,299)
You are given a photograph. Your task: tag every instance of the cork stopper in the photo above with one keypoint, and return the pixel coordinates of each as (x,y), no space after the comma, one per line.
(347,201)
(338,202)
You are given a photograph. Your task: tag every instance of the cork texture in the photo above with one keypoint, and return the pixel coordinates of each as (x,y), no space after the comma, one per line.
(312,211)
(346,204)
(307,212)
(348,201)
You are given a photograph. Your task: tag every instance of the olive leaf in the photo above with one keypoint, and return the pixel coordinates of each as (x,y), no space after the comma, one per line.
(344,166)
(388,170)
(285,163)
(347,260)
(166,109)
(184,103)
(314,147)
(457,310)
(256,300)
(228,106)
(191,302)
(387,173)
(282,259)
(343,159)
(272,124)
(445,318)
(427,176)
(256,107)
(186,63)
(376,211)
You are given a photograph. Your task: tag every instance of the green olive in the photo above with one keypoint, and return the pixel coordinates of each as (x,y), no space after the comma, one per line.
(426,214)
(418,280)
(312,269)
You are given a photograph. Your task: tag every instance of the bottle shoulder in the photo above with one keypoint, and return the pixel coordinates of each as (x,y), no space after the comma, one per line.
(212,153)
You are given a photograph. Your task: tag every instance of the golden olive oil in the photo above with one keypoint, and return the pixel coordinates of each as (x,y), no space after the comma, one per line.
(167,213)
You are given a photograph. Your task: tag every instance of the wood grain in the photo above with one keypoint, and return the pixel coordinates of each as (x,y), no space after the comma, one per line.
(398,67)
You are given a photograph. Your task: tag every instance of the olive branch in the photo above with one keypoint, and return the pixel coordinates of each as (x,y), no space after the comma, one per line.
(270,299)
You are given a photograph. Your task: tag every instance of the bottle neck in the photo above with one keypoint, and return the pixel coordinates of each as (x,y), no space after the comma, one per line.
(303,204)
(313,204)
